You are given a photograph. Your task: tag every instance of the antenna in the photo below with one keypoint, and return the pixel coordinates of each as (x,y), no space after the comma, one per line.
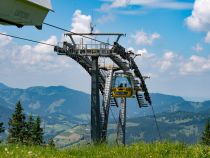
(92,25)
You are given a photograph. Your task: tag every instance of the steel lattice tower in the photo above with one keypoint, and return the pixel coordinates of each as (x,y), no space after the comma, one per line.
(87,55)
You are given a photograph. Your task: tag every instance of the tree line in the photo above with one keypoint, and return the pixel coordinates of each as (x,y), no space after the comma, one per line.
(22,130)
(29,131)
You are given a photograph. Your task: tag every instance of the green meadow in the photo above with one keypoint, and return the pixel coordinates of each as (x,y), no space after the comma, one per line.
(144,150)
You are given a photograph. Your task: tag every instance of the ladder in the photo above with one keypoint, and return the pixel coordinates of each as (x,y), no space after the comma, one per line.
(121,126)
(140,98)
(113,102)
(106,104)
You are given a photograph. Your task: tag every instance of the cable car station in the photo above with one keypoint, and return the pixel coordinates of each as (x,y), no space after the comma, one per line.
(24,12)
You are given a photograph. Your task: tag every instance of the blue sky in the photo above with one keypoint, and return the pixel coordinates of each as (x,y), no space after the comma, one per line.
(173,37)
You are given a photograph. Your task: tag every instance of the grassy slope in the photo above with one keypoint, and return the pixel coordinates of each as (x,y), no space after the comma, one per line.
(152,150)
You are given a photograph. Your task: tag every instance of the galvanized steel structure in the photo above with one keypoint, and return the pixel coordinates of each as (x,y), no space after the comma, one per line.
(87,55)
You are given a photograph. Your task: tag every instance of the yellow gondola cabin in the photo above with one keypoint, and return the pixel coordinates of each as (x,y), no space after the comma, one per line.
(122,87)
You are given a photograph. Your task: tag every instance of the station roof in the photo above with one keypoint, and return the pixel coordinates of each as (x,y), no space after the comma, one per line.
(43,3)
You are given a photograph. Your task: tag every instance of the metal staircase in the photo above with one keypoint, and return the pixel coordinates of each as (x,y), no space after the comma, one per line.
(140,98)
(106,103)
(121,126)
(113,102)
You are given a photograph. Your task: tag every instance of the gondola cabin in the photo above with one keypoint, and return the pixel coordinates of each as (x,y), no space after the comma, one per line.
(24,12)
(122,87)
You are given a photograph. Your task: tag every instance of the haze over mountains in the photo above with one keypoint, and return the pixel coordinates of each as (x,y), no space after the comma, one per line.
(3,86)
(65,113)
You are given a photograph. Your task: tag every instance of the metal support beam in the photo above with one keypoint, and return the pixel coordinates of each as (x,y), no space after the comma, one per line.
(95,102)
(72,40)
(121,128)
(97,34)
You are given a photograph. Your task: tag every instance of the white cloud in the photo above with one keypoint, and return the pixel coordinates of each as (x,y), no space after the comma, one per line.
(166,62)
(131,49)
(80,22)
(198,48)
(199,20)
(166,4)
(207,38)
(120,3)
(173,64)
(159,66)
(169,56)
(45,48)
(40,56)
(106,18)
(4,40)
(142,38)
(195,64)
(145,54)
(171,5)
(104,8)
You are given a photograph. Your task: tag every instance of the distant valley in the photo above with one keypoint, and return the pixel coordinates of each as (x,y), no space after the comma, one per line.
(65,114)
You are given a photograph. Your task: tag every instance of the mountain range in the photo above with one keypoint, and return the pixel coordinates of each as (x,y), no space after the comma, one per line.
(65,114)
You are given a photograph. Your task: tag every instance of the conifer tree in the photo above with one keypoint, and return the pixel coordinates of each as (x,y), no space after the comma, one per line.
(29,130)
(17,125)
(206,134)
(37,132)
(1,127)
